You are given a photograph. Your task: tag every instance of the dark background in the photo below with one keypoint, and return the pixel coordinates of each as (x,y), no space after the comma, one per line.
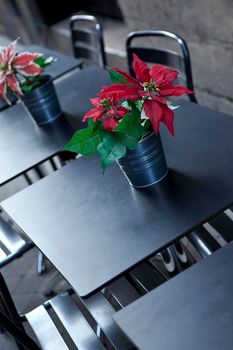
(63,9)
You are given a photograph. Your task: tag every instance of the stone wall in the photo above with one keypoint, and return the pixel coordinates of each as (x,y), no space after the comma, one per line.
(207,26)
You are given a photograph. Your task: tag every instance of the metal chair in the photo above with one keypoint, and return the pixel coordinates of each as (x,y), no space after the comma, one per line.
(57,324)
(67,321)
(87,39)
(172,59)
(102,306)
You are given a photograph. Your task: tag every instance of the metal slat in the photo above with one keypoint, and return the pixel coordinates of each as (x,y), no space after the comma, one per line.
(85,35)
(229,213)
(157,262)
(224,225)
(46,332)
(9,238)
(203,242)
(193,255)
(215,234)
(76,325)
(170,261)
(120,293)
(2,254)
(145,277)
(86,51)
(102,311)
(167,57)
(181,254)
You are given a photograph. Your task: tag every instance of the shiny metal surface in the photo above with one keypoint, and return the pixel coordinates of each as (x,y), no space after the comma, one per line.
(42,103)
(45,330)
(74,322)
(146,165)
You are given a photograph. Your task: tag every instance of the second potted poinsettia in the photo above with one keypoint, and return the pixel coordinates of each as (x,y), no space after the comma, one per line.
(124,124)
(20,73)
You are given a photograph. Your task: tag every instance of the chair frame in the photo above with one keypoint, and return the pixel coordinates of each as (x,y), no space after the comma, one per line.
(99,32)
(97,310)
(13,323)
(162,33)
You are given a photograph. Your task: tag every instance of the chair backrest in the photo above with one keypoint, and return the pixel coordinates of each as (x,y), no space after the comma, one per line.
(69,320)
(87,39)
(180,61)
(57,324)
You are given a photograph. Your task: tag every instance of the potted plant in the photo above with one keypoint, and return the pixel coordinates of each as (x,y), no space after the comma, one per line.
(21,74)
(124,124)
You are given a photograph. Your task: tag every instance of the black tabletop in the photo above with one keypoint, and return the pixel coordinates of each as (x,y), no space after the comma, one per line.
(94,227)
(61,66)
(23,144)
(64,64)
(192,311)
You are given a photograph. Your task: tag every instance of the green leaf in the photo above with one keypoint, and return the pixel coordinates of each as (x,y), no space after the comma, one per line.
(116,77)
(131,125)
(111,149)
(44,62)
(30,85)
(26,88)
(138,104)
(131,142)
(147,124)
(84,141)
(97,126)
(90,121)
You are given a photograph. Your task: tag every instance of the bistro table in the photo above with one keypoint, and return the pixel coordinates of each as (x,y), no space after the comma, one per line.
(24,145)
(192,311)
(63,65)
(95,227)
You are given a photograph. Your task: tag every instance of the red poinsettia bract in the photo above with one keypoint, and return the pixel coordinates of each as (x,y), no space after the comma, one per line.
(152,85)
(106,106)
(12,63)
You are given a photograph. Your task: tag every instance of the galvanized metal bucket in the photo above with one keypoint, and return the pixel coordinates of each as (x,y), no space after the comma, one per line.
(42,103)
(146,165)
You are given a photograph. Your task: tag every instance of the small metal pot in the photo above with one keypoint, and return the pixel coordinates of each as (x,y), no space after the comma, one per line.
(146,165)
(42,103)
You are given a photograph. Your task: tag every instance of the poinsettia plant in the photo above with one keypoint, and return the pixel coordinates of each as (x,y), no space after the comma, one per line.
(20,72)
(128,110)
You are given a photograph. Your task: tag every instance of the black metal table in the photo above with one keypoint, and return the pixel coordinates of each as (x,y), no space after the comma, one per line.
(64,63)
(23,144)
(95,227)
(192,311)
(62,66)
